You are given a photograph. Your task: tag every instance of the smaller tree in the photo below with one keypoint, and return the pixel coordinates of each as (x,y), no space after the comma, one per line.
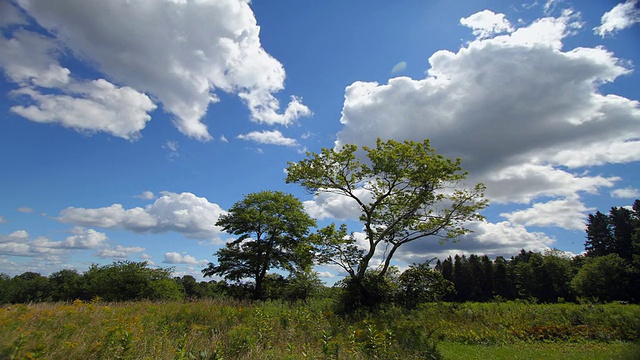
(603,278)
(420,284)
(272,229)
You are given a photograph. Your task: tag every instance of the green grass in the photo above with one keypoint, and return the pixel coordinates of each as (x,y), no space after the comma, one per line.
(228,329)
(528,351)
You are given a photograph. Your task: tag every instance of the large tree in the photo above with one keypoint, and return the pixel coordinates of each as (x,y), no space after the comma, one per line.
(405,192)
(272,229)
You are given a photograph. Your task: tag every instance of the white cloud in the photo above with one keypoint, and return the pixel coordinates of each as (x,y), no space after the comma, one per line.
(96,106)
(119,252)
(517,108)
(399,67)
(487,23)
(626,193)
(146,195)
(334,206)
(568,214)
(622,16)
(176,258)
(491,239)
(326,274)
(26,210)
(20,243)
(30,60)
(179,52)
(185,213)
(3,220)
(274,137)
(84,239)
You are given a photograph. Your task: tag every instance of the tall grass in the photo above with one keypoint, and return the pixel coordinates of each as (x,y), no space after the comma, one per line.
(229,329)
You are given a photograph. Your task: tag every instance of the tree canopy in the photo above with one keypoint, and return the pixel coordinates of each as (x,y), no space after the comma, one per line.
(272,228)
(405,191)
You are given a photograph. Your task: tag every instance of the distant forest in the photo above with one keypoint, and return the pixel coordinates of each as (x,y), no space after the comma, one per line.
(609,270)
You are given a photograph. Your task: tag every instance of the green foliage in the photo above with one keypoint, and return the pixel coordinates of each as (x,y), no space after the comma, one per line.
(420,284)
(272,229)
(127,280)
(27,287)
(405,192)
(224,329)
(66,285)
(369,293)
(603,278)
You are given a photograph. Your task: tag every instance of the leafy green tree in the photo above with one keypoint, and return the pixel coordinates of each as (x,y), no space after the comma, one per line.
(66,285)
(302,285)
(272,229)
(420,284)
(405,192)
(603,278)
(557,273)
(28,287)
(527,271)
(5,282)
(128,280)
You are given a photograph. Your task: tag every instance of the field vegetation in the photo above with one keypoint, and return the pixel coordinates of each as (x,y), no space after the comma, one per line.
(233,329)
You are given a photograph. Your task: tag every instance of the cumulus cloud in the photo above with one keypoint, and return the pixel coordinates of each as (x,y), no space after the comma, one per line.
(334,206)
(565,213)
(274,137)
(492,239)
(25,210)
(526,115)
(179,52)
(626,193)
(622,16)
(146,195)
(185,213)
(20,243)
(487,23)
(119,252)
(177,258)
(30,60)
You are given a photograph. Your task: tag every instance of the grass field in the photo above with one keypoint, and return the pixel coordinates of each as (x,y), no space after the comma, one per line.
(545,350)
(228,329)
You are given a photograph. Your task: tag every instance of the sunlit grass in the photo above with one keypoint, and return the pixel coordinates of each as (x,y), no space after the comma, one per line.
(545,350)
(229,329)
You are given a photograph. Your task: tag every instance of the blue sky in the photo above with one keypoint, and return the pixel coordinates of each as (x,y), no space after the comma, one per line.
(128,127)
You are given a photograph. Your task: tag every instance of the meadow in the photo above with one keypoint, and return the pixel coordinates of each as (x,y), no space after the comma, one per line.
(232,329)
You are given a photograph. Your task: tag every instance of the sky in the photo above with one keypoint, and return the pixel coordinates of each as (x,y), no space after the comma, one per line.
(127,128)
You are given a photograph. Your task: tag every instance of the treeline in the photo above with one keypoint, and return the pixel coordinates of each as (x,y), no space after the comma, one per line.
(130,281)
(608,271)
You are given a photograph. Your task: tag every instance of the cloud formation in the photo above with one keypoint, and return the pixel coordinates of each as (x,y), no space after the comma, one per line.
(499,239)
(486,23)
(177,258)
(274,137)
(194,217)
(179,53)
(119,252)
(20,243)
(525,115)
(622,16)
